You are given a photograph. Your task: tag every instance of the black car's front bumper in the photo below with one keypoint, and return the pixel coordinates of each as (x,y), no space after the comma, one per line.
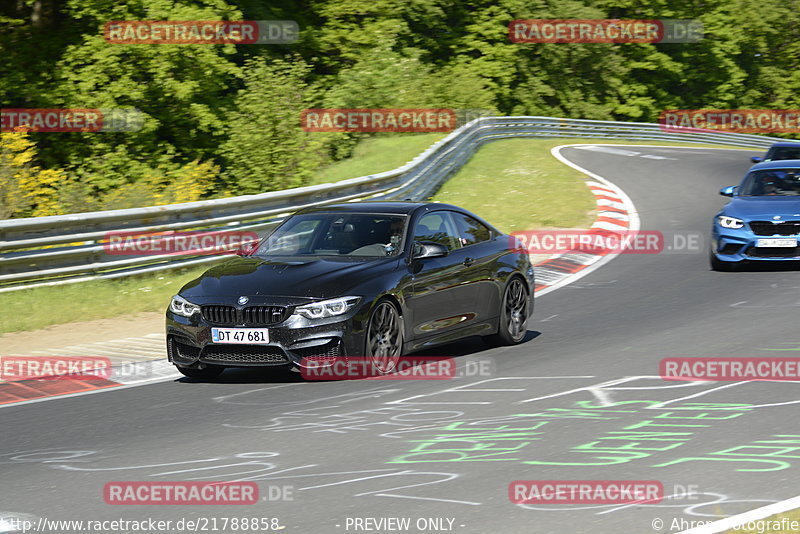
(292,343)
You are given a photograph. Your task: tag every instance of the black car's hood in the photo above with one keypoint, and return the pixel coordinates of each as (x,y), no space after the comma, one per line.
(314,278)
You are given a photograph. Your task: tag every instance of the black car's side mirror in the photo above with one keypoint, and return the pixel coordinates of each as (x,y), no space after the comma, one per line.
(756,159)
(728,191)
(428,249)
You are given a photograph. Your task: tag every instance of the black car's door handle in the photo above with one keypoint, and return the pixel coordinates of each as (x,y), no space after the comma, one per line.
(469,261)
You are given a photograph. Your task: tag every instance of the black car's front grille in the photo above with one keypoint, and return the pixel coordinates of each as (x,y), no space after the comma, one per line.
(770,228)
(264,315)
(773,252)
(325,354)
(244,354)
(251,316)
(219,314)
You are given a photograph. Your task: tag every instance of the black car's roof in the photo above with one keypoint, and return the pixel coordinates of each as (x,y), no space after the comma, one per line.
(371,206)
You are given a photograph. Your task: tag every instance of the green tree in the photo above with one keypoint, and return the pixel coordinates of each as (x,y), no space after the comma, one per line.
(266,149)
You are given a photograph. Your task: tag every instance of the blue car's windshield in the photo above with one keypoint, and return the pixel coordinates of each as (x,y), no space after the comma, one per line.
(771,182)
(336,234)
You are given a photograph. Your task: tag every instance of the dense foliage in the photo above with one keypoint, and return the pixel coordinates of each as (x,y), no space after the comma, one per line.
(224,119)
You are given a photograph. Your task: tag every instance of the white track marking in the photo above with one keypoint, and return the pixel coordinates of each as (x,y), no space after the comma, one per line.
(740,519)
(627,204)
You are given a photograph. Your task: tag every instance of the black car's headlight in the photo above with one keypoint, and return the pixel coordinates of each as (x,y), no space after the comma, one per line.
(730,222)
(181,306)
(327,308)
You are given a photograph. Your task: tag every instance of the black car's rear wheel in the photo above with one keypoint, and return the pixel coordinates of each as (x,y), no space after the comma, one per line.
(513,314)
(206,373)
(384,343)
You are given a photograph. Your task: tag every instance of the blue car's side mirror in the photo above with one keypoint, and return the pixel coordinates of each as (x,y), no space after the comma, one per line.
(728,191)
(756,159)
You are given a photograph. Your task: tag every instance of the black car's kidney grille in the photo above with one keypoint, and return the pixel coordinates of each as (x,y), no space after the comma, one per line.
(251,316)
(244,354)
(264,315)
(770,228)
(219,314)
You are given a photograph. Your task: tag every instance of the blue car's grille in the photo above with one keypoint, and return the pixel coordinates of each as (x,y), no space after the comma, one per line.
(771,228)
(731,248)
(773,252)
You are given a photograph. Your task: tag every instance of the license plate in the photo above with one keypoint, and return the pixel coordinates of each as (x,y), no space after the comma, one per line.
(245,336)
(777,242)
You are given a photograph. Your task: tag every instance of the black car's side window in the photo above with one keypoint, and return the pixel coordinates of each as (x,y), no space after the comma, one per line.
(437,227)
(470,230)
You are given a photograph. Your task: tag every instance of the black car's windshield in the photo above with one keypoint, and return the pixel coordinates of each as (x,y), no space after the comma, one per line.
(772,182)
(337,234)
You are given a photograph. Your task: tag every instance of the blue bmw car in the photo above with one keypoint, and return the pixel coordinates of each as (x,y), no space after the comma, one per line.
(762,220)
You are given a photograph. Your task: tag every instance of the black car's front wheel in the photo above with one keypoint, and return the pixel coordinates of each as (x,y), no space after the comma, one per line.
(384,343)
(513,314)
(206,373)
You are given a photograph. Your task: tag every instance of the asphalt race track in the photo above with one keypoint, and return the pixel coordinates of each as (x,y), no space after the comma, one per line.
(581,399)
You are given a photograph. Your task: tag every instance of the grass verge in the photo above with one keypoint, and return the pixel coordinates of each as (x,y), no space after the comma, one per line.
(32,309)
(516,184)
(377,154)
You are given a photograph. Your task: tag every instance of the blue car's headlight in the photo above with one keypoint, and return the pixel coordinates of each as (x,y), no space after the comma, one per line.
(327,308)
(730,222)
(181,306)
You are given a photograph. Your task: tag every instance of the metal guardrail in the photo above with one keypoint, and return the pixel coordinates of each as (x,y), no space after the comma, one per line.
(68,248)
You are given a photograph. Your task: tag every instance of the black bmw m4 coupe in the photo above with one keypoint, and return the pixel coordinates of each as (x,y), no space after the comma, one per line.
(372,280)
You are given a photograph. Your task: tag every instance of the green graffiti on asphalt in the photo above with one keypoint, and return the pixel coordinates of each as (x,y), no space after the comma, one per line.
(450,443)
(464,442)
(769,455)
